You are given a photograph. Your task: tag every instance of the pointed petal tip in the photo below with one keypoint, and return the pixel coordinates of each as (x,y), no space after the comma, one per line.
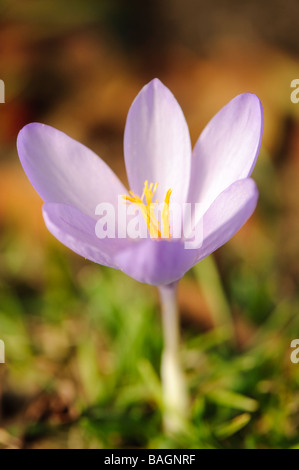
(155,86)
(251,99)
(254,107)
(23,132)
(21,137)
(64,170)
(231,142)
(155,82)
(157,145)
(31,126)
(28,130)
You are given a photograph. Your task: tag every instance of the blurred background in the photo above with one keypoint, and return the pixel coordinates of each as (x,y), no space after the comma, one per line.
(83,343)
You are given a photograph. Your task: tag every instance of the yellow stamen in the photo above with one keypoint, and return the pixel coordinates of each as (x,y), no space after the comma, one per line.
(147,209)
(165,215)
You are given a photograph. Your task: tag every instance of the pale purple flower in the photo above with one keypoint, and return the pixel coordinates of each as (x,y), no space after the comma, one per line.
(72,180)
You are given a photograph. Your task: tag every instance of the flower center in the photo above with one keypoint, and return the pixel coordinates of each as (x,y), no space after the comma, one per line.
(147,209)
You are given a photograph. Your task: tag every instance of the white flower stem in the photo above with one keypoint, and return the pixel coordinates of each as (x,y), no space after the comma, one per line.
(175,400)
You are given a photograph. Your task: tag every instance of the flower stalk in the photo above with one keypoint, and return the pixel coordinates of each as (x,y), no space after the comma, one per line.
(175,400)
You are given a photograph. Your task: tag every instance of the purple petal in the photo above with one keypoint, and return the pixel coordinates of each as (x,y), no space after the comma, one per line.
(227,149)
(227,214)
(76,230)
(157,143)
(151,261)
(63,170)
(156,262)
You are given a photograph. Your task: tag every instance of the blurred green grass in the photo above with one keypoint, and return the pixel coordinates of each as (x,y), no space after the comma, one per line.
(83,347)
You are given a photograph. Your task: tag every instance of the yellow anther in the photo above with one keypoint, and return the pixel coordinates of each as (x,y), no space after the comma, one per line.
(147,209)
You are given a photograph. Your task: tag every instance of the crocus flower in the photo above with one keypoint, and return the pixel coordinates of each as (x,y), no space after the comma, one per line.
(160,165)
